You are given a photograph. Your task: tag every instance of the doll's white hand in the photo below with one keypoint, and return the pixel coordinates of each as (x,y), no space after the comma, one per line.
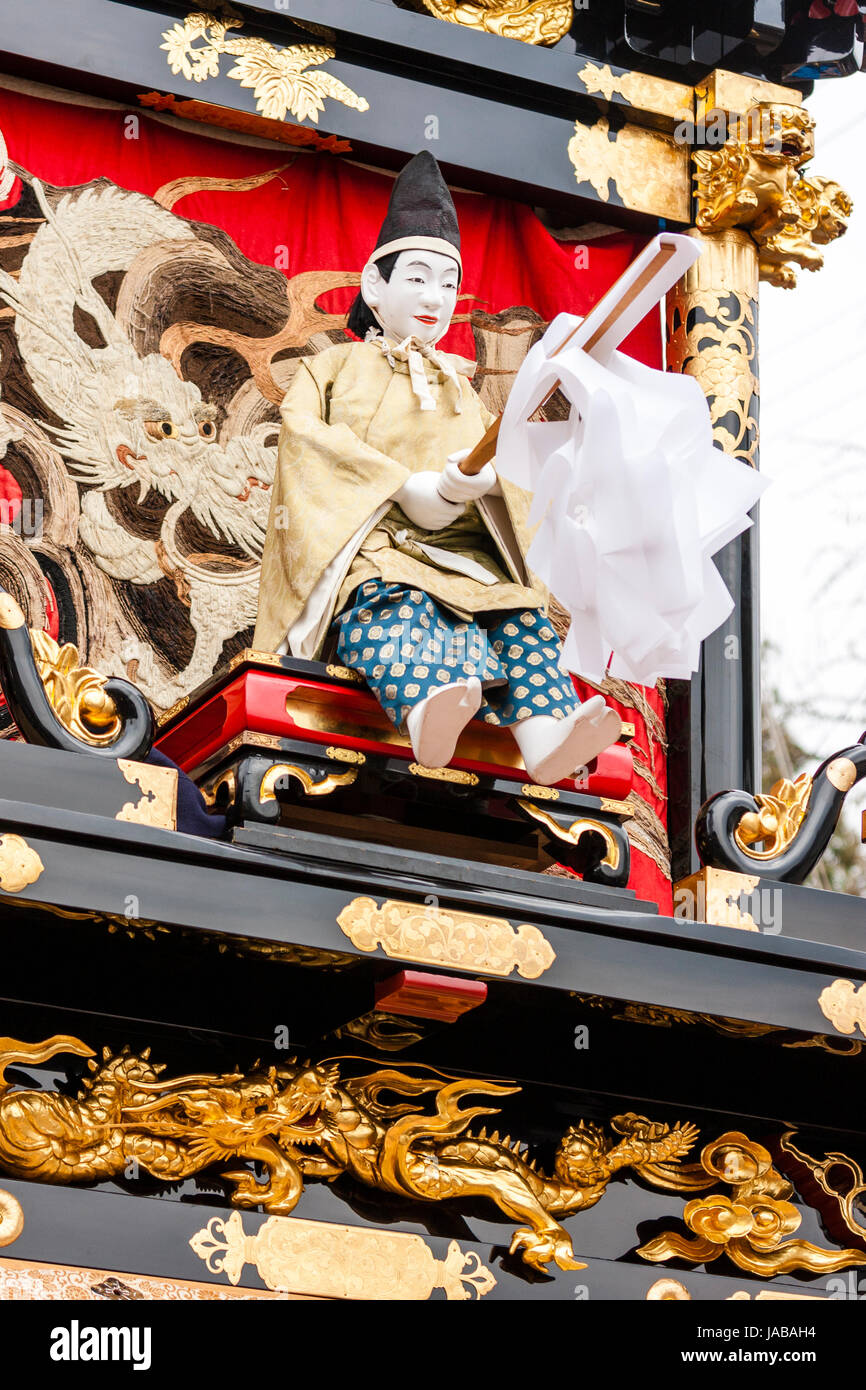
(455,486)
(424,504)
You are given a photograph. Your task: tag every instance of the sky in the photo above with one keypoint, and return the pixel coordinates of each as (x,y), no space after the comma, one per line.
(813,447)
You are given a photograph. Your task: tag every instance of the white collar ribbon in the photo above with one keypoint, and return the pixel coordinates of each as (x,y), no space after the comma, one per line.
(412,352)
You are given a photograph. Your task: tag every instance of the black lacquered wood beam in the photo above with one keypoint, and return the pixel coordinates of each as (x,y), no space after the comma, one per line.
(499,115)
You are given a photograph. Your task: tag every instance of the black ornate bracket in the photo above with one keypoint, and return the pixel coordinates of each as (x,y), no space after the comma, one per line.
(793,823)
(84,712)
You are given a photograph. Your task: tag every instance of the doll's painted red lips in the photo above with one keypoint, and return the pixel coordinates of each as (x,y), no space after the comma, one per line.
(426,318)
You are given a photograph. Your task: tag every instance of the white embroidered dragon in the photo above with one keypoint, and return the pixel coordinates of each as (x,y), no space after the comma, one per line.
(132,420)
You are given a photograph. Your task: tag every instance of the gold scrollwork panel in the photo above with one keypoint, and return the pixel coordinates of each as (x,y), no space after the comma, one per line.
(427,935)
(347,1262)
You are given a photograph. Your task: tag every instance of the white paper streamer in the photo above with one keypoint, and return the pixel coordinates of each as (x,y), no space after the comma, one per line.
(633,500)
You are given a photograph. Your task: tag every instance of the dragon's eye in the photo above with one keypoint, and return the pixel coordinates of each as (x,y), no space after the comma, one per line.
(207,429)
(160,429)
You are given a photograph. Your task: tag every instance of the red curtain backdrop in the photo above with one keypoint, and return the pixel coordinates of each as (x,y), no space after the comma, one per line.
(322,212)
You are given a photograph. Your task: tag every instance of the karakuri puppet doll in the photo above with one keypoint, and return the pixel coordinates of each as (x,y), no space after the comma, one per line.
(377,539)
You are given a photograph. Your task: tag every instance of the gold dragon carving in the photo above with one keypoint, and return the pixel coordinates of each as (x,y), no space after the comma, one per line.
(530,21)
(308,1121)
(751,1225)
(755,182)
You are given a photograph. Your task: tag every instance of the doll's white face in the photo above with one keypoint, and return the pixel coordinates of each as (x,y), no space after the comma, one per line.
(420,297)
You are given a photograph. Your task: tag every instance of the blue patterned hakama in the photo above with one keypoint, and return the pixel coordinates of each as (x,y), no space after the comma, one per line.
(406,646)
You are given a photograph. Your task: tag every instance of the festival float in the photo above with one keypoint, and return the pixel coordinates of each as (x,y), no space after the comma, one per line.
(392,905)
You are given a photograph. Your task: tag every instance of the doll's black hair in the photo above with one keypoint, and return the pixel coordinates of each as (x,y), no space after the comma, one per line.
(361,318)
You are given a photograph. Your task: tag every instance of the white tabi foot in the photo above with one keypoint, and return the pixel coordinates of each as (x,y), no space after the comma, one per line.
(435,724)
(554,748)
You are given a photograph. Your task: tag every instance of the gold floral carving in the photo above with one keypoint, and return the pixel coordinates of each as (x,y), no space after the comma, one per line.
(330,1261)
(777,820)
(844,1006)
(76,692)
(755,182)
(530,21)
(323,787)
(752,1225)
(573,833)
(19,864)
(712,336)
(26,1281)
(11,1218)
(649,171)
(279,77)
(433,936)
(647,93)
(158,804)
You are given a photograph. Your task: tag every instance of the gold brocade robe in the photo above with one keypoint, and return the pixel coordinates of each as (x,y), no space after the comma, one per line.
(352,432)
